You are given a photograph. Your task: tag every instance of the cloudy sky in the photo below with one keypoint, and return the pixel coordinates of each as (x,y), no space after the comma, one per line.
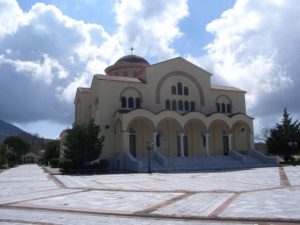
(49,48)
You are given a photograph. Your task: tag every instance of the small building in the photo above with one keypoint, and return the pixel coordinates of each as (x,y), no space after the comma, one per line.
(171,104)
(30,158)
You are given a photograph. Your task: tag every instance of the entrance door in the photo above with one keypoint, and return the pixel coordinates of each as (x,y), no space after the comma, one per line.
(178,145)
(225,145)
(132,144)
(185,146)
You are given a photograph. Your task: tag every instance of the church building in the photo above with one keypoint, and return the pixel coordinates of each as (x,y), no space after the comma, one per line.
(170,109)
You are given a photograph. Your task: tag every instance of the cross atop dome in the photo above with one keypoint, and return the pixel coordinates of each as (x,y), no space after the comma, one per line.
(131,50)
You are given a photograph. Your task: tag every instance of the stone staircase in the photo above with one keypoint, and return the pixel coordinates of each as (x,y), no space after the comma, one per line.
(203,163)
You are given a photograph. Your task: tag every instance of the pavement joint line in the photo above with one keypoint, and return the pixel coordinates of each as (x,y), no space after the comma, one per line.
(284,180)
(25,222)
(56,181)
(164,203)
(38,198)
(157,191)
(52,189)
(224,205)
(259,221)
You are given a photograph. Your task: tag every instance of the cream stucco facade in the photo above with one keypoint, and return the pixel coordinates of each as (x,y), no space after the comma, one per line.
(171,104)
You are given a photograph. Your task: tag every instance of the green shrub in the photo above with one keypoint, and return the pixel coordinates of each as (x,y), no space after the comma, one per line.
(54,162)
(65,165)
(104,165)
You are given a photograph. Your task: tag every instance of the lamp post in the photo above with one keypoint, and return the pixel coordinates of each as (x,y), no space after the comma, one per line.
(292,144)
(149,147)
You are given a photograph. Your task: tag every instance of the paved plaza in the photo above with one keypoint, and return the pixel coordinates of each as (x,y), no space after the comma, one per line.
(29,195)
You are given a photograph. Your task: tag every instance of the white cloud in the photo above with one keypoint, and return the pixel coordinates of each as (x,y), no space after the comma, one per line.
(150,26)
(43,71)
(256,48)
(46,55)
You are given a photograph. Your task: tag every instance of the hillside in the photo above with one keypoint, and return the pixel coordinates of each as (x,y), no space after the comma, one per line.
(7,129)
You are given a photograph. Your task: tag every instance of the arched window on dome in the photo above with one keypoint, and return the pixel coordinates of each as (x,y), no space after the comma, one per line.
(228,108)
(130,103)
(137,103)
(123,102)
(173,90)
(180,105)
(186,106)
(223,108)
(179,88)
(168,105)
(193,107)
(186,91)
(174,105)
(218,107)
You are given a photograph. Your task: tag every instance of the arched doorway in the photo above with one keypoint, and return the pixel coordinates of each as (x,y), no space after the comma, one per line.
(169,130)
(140,130)
(218,138)
(241,136)
(195,131)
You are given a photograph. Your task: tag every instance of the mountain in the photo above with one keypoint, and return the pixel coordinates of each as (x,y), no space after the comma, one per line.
(7,129)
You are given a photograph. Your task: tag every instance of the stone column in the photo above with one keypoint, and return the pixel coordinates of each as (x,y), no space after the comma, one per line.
(154,135)
(181,144)
(230,142)
(125,141)
(207,143)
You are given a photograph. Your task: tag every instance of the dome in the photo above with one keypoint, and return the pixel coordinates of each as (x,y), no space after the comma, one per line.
(132,59)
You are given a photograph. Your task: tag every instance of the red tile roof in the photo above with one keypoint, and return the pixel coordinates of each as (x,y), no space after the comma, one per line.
(116,78)
(226,88)
(88,90)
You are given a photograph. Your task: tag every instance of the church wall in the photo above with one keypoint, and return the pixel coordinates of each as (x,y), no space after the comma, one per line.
(108,93)
(83,111)
(237,99)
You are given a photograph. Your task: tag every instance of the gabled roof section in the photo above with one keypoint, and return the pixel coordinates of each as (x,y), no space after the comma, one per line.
(226,88)
(117,78)
(183,60)
(85,90)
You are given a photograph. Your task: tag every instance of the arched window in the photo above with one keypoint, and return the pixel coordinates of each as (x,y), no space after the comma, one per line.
(218,107)
(223,108)
(123,102)
(193,106)
(168,105)
(228,108)
(186,91)
(137,103)
(130,103)
(186,106)
(173,90)
(174,105)
(179,88)
(180,105)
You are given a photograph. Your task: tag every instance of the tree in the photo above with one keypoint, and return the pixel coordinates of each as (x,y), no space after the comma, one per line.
(264,135)
(7,156)
(18,145)
(83,143)
(51,150)
(3,158)
(283,133)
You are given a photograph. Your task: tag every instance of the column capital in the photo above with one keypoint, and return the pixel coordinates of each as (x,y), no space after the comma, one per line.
(230,134)
(181,134)
(207,134)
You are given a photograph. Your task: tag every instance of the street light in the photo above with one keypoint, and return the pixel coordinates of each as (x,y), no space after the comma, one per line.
(292,144)
(149,147)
